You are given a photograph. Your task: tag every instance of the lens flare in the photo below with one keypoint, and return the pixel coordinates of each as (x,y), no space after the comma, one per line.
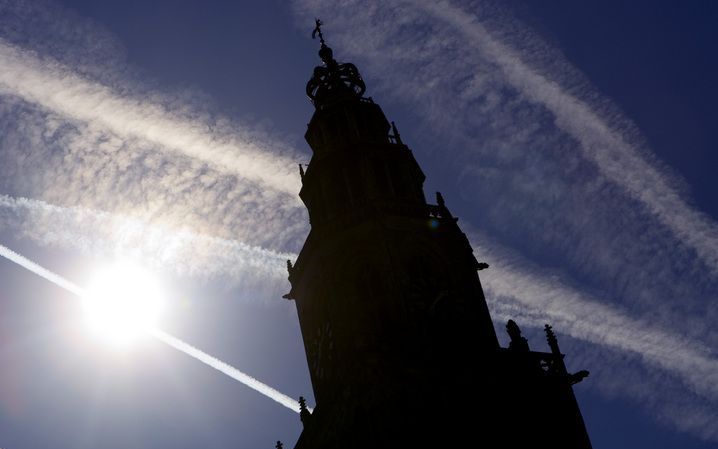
(122,303)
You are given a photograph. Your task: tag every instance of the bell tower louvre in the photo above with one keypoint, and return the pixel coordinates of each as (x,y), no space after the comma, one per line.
(399,340)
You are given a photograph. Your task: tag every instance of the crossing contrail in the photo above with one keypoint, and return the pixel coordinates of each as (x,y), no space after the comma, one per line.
(162,336)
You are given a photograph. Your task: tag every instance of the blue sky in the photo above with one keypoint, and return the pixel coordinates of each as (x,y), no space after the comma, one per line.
(575,140)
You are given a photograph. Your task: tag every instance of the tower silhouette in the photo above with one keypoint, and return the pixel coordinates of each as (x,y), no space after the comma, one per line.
(399,341)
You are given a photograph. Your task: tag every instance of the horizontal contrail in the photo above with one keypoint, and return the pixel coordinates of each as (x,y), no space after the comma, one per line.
(98,233)
(164,337)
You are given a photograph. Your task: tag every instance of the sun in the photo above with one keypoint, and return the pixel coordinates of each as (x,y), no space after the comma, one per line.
(122,303)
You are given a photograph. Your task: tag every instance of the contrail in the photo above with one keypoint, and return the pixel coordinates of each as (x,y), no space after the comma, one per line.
(229,370)
(49,156)
(515,293)
(40,271)
(46,82)
(517,289)
(54,149)
(81,127)
(164,337)
(617,158)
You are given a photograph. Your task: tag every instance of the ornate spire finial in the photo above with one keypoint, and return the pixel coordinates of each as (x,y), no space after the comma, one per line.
(552,340)
(324,51)
(304,413)
(333,81)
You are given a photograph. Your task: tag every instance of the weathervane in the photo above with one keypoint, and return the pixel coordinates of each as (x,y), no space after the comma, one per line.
(318,30)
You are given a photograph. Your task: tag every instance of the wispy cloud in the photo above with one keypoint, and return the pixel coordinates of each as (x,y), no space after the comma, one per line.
(81,128)
(45,82)
(79,161)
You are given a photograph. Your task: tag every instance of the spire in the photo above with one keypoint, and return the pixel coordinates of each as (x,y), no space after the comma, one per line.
(553,344)
(555,350)
(332,81)
(518,342)
(304,413)
(552,340)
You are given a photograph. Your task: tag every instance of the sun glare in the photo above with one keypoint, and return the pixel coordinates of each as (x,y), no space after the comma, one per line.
(122,303)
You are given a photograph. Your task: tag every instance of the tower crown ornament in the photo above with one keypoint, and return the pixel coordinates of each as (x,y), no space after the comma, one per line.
(332,81)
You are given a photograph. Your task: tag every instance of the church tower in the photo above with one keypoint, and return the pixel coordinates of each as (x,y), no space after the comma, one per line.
(399,341)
